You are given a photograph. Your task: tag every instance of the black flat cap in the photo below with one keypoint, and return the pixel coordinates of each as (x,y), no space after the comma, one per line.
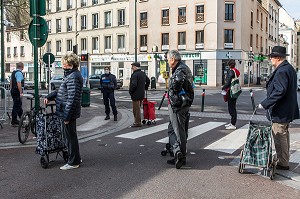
(137,64)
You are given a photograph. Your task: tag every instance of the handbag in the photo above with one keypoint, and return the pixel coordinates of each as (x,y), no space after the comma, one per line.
(235,87)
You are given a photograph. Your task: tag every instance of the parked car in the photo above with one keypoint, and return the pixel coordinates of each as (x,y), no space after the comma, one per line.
(5,84)
(56,81)
(94,81)
(28,84)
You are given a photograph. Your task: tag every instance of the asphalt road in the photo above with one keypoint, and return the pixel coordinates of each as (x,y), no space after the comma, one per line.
(115,166)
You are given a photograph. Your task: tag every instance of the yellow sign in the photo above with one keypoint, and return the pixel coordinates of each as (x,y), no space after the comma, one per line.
(163,66)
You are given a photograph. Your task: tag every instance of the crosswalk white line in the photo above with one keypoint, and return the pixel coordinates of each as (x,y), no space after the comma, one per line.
(295,157)
(143,132)
(96,122)
(197,130)
(231,142)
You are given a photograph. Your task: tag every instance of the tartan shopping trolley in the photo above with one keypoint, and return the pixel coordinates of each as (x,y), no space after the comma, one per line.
(148,111)
(258,148)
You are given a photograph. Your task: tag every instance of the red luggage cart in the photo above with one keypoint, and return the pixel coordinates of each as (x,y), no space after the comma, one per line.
(149,111)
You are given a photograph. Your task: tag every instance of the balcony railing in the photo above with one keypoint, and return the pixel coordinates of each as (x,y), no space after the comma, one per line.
(69,7)
(165,21)
(58,8)
(8,55)
(144,23)
(199,16)
(58,29)
(181,19)
(83,4)
(83,27)
(121,23)
(69,28)
(95,26)
(107,25)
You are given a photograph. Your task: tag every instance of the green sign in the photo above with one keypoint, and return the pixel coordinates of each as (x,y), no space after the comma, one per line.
(48,57)
(37,8)
(41,32)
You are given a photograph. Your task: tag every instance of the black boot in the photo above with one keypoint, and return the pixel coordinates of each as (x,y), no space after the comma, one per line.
(173,161)
(115,118)
(107,117)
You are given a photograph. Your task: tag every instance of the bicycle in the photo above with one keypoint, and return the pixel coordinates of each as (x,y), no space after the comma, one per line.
(28,119)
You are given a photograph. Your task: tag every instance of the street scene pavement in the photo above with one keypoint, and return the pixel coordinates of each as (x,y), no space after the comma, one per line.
(124,162)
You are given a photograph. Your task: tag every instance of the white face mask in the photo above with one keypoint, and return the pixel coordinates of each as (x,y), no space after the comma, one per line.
(106,71)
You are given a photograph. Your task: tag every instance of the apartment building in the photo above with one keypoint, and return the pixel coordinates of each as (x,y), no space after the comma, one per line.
(206,32)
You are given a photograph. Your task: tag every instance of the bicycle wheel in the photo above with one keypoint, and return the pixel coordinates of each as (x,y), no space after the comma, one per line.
(24,127)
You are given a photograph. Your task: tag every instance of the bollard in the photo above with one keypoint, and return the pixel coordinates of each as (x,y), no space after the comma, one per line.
(162,100)
(203,96)
(252,100)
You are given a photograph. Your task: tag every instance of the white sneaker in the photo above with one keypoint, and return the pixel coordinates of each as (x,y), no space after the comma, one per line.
(227,125)
(230,127)
(67,167)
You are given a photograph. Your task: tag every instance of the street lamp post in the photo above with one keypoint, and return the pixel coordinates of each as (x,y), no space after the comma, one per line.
(2,43)
(135,31)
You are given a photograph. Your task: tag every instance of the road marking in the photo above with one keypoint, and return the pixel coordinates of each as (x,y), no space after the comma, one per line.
(231,142)
(94,123)
(197,130)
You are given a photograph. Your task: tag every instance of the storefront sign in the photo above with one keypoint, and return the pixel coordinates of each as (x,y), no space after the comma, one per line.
(120,58)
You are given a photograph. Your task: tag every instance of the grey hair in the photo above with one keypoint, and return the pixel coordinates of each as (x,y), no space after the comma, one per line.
(70,59)
(175,54)
(20,65)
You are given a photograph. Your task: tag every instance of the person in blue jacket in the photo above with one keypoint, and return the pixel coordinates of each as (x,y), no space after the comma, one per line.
(281,103)
(108,84)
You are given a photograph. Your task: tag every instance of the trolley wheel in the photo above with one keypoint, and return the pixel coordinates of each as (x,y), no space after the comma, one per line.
(168,146)
(44,162)
(272,172)
(144,121)
(24,127)
(65,156)
(163,153)
(149,122)
(241,166)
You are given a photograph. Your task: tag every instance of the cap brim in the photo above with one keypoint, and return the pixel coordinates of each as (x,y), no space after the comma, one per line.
(278,55)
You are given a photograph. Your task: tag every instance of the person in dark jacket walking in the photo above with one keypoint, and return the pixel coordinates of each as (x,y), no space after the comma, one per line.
(231,74)
(16,91)
(139,82)
(281,103)
(181,96)
(108,84)
(68,107)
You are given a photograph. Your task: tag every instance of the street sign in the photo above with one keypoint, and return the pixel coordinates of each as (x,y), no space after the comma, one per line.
(42,32)
(37,8)
(48,58)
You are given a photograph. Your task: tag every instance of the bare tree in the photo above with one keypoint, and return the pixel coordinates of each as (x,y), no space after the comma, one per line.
(17,12)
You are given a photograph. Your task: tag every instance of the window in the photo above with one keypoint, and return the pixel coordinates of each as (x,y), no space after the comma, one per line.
(261,23)
(49,26)
(83,3)
(165,17)
(121,17)
(182,15)
(251,40)
(8,52)
(69,45)
(58,25)
(251,19)
(69,4)
(107,40)
(261,45)
(58,5)
(8,38)
(58,46)
(143,40)
(48,6)
(181,38)
(95,43)
(121,41)
(229,10)
(165,38)
(199,39)
(144,21)
(83,44)
(107,16)
(48,46)
(94,2)
(22,51)
(69,24)
(83,22)
(228,38)
(106,1)
(95,20)
(257,40)
(200,13)
(15,52)
(22,35)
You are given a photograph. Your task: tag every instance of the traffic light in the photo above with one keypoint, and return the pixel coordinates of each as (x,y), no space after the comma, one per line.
(84,57)
(166,55)
(75,49)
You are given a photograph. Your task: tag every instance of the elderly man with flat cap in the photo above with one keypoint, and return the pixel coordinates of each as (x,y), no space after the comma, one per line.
(139,82)
(281,103)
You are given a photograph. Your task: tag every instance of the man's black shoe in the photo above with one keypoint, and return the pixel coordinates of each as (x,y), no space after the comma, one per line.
(15,122)
(107,117)
(115,118)
(173,161)
(179,160)
(282,167)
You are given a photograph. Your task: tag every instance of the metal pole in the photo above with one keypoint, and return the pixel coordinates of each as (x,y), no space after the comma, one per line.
(135,32)
(2,44)
(35,54)
(48,75)
(162,100)
(202,104)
